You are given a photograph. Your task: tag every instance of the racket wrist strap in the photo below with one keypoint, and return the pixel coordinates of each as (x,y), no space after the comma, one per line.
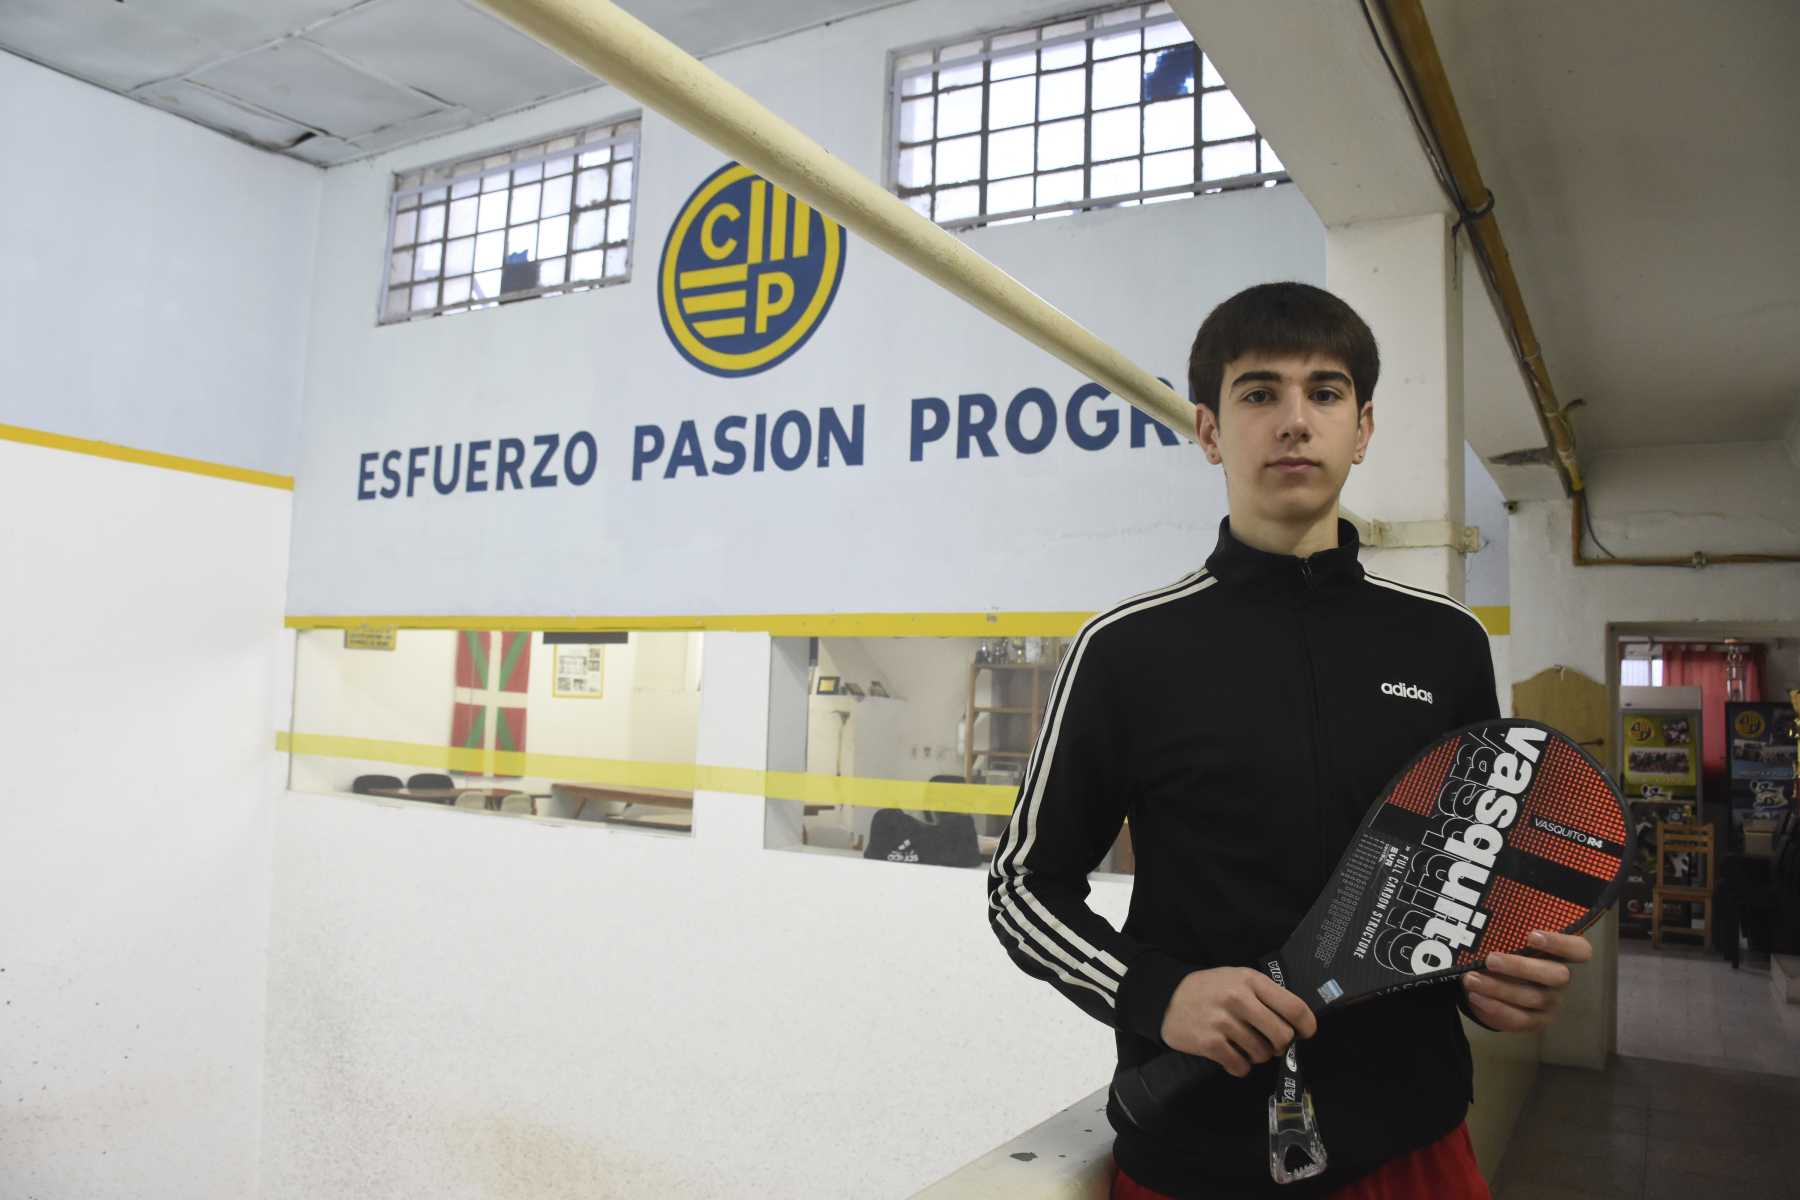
(1296,1151)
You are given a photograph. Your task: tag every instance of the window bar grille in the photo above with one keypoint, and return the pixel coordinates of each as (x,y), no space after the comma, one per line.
(440,183)
(926,196)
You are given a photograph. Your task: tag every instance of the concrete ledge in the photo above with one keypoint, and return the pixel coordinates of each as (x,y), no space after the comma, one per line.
(1068,1157)
(1784,978)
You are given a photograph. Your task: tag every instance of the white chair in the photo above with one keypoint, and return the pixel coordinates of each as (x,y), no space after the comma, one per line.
(475,800)
(517,802)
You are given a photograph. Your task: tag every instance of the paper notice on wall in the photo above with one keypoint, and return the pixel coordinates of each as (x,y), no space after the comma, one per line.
(370,637)
(579,672)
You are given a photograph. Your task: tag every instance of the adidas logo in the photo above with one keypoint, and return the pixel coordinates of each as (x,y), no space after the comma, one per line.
(903,852)
(1406,691)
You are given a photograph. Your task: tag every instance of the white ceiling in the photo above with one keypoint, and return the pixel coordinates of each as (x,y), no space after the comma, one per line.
(329,81)
(1641,151)
(1642,156)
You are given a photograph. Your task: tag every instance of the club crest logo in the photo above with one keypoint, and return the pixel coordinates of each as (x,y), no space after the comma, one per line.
(1749,724)
(747,274)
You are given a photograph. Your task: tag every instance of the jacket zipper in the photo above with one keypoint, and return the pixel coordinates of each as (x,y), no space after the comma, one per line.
(1317,723)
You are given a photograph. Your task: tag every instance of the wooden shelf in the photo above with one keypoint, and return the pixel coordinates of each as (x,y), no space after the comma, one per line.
(1019,689)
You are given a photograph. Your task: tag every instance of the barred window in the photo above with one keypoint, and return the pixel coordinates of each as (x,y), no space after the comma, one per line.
(533,220)
(1107,109)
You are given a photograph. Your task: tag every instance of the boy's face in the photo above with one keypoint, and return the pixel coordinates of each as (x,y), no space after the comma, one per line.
(1287,431)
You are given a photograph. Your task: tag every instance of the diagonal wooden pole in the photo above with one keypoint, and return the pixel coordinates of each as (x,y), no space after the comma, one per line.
(625,52)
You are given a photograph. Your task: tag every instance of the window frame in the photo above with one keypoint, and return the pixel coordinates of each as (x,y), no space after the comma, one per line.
(396,192)
(893,143)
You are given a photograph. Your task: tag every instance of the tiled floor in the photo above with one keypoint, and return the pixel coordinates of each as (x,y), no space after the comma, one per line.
(1703,1102)
(1655,1130)
(1683,1004)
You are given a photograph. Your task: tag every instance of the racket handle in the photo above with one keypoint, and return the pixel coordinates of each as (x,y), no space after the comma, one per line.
(1145,1092)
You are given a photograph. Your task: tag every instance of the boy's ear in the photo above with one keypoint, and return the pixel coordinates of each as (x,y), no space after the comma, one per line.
(1365,429)
(1206,432)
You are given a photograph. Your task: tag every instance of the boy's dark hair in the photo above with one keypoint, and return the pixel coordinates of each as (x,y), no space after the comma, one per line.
(1281,318)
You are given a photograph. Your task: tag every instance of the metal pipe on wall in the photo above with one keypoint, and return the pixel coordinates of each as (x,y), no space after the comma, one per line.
(1699,558)
(1417,51)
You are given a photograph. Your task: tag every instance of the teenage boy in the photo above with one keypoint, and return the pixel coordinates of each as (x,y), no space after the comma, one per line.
(1239,718)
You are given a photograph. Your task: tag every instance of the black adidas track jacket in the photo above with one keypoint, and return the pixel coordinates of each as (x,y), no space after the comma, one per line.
(1243,718)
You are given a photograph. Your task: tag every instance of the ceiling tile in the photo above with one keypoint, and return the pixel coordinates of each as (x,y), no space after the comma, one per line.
(325,151)
(264,69)
(703,27)
(231,23)
(208,107)
(454,52)
(405,132)
(119,46)
(300,81)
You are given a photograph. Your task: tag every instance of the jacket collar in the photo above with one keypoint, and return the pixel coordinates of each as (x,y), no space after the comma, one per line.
(1232,561)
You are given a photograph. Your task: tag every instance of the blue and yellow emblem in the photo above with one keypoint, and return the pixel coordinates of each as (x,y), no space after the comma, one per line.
(747,273)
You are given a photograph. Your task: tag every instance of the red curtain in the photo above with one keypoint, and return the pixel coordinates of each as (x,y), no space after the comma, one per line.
(1703,666)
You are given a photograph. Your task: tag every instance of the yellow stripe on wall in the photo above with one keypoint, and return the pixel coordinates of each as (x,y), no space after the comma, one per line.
(146,458)
(1497,619)
(678,777)
(977,624)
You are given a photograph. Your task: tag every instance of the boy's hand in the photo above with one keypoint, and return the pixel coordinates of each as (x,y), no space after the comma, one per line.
(1236,1017)
(1517,994)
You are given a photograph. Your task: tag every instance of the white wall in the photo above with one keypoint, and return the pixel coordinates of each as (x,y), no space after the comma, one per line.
(1723,498)
(143,617)
(1486,573)
(648,712)
(1645,503)
(463,1007)
(928,683)
(1487,579)
(1065,529)
(1781,667)
(158,275)
(1655,503)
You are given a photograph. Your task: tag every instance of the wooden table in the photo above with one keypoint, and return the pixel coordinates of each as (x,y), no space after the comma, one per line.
(673,821)
(446,795)
(653,797)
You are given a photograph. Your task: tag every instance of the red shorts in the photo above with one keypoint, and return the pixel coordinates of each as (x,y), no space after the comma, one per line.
(1444,1170)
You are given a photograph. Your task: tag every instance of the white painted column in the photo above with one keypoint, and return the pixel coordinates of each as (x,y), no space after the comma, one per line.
(1400,275)
(734,732)
(789,674)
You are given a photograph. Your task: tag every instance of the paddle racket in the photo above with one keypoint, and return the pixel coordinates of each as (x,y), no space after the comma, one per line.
(1491,832)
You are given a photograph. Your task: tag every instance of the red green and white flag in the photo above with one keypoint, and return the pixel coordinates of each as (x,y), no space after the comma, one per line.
(488,709)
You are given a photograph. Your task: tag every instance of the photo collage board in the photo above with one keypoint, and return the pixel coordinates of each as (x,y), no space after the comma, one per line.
(1660,776)
(1760,760)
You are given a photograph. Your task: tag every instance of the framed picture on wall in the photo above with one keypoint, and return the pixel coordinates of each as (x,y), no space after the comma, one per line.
(580,672)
